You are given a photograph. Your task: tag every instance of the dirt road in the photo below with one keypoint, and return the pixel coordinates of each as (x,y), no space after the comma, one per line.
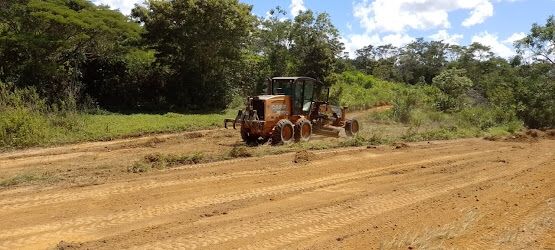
(466,193)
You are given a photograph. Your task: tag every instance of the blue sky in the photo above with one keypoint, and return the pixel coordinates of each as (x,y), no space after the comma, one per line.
(495,23)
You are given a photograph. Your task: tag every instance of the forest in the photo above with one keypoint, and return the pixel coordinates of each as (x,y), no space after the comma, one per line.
(64,61)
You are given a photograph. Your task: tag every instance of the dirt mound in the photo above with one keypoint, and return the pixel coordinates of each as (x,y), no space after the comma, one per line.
(550,133)
(530,135)
(400,145)
(68,245)
(305,156)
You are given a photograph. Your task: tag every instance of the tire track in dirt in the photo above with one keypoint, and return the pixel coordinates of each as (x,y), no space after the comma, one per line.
(7,204)
(59,197)
(99,145)
(320,220)
(92,224)
(520,226)
(249,229)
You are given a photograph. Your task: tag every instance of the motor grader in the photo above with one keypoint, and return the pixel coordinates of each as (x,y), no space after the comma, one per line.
(292,109)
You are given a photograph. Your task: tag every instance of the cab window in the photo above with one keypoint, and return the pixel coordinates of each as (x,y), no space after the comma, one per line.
(308,94)
(282,87)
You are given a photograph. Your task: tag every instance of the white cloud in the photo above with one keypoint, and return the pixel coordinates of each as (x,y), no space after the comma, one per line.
(124,6)
(515,37)
(357,41)
(444,36)
(479,13)
(501,48)
(398,15)
(296,7)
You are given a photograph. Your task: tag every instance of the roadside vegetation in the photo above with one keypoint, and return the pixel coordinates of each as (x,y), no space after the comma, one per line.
(28,121)
(136,75)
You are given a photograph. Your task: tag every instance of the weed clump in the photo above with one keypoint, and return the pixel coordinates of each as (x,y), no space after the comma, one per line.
(160,161)
(139,167)
(240,152)
(27,178)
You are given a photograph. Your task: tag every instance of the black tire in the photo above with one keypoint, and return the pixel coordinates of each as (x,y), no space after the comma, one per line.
(250,139)
(351,127)
(284,132)
(303,130)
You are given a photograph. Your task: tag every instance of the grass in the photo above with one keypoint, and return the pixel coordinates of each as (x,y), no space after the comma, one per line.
(20,128)
(415,116)
(27,178)
(162,161)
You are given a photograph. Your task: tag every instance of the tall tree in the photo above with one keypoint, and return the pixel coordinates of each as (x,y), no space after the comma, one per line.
(540,42)
(198,41)
(48,43)
(316,45)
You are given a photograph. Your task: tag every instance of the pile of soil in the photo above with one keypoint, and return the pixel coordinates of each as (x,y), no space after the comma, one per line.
(68,245)
(305,156)
(529,135)
(400,145)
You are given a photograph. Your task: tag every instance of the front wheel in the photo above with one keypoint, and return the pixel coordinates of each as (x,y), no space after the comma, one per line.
(283,132)
(351,127)
(303,130)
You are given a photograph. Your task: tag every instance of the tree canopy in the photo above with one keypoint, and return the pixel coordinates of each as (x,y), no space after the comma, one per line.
(196,55)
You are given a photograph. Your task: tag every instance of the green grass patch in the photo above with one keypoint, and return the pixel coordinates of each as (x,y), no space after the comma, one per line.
(22,127)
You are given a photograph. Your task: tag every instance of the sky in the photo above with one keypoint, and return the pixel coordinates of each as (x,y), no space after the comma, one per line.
(495,23)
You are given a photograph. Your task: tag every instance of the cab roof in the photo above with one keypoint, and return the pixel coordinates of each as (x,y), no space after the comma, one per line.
(295,78)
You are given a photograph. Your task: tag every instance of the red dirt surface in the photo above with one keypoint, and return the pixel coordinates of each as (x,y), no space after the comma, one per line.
(470,193)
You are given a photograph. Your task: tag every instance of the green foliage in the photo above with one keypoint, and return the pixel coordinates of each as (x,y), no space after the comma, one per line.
(162,161)
(23,127)
(452,82)
(309,45)
(454,85)
(359,91)
(540,42)
(25,121)
(198,42)
(404,104)
(49,44)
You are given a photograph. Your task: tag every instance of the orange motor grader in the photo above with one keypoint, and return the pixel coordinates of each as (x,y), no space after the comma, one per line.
(292,110)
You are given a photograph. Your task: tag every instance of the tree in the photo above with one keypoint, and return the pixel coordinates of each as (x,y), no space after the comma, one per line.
(48,43)
(540,43)
(273,40)
(454,85)
(309,45)
(316,45)
(198,41)
(420,61)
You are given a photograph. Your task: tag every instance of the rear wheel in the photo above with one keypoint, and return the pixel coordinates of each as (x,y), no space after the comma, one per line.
(351,127)
(303,130)
(283,132)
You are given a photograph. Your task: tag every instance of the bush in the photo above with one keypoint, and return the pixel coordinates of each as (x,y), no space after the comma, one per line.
(22,127)
(404,104)
(359,91)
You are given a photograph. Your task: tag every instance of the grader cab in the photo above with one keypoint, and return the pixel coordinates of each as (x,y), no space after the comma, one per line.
(292,110)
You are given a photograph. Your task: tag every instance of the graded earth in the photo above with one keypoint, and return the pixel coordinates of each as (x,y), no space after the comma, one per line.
(470,193)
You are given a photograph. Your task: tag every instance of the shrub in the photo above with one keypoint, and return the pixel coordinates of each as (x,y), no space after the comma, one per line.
(403,105)
(22,127)
(239,152)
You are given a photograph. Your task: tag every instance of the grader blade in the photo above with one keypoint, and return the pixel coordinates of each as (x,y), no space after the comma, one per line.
(328,131)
